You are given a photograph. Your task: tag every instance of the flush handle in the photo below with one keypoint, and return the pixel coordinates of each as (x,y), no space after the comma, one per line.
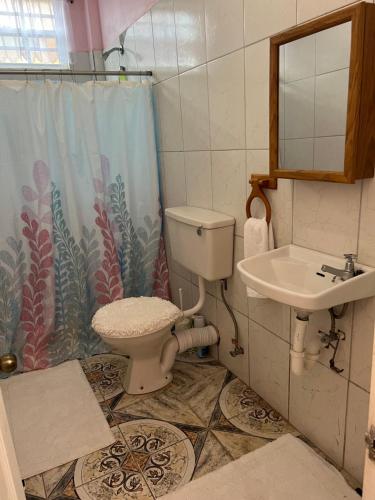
(370,442)
(199,230)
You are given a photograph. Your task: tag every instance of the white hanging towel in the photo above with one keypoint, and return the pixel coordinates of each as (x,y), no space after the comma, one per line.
(258,238)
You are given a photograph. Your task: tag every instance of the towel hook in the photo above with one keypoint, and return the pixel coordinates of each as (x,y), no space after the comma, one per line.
(258,182)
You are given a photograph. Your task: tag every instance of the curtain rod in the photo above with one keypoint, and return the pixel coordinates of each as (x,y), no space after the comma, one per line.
(64,72)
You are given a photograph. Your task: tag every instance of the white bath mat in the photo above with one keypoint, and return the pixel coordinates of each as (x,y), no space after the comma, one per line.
(54,417)
(286,469)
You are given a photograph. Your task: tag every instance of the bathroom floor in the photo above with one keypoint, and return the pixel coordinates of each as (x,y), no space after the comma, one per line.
(204,419)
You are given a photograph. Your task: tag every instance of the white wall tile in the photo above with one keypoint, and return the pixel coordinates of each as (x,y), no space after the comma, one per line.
(264,18)
(269,367)
(239,365)
(173,179)
(164,31)
(333,48)
(198,179)
(227,101)
(236,292)
(318,408)
(281,201)
(272,315)
(299,108)
(169,108)
(176,283)
(329,153)
(366,246)
(257,95)
(326,215)
(356,426)
(224,27)
(191,33)
(299,154)
(257,161)
(362,342)
(194,107)
(307,9)
(144,43)
(331,103)
(300,58)
(229,185)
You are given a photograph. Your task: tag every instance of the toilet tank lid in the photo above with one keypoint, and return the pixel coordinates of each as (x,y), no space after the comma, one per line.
(194,216)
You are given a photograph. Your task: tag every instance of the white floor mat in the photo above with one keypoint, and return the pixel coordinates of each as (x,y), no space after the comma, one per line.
(286,469)
(54,417)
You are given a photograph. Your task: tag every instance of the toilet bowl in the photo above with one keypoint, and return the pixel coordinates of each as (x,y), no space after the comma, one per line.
(139,328)
(202,241)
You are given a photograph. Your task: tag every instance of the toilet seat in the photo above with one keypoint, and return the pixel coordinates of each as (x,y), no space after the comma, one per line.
(135,317)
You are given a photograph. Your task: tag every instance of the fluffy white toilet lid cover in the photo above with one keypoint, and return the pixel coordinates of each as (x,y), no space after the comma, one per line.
(135,317)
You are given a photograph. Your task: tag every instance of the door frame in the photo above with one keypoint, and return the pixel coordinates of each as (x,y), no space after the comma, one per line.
(10,479)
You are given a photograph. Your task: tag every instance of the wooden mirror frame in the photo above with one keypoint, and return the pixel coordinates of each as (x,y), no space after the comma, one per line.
(360,125)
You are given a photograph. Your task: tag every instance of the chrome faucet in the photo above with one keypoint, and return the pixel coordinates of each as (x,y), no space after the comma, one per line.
(344,274)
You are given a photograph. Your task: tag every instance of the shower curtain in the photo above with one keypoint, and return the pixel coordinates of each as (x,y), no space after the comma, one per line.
(80,217)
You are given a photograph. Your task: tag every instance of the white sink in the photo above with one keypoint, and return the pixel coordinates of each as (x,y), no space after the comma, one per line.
(292,275)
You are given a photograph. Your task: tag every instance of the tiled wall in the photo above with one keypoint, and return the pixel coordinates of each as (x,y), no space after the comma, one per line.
(211,61)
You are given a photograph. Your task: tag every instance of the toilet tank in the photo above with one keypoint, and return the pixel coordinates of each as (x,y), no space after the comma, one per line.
(201,240)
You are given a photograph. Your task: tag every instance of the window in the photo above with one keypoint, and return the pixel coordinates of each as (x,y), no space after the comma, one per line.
(33,33)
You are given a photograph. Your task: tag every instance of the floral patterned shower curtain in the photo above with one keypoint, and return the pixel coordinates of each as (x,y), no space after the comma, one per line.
(80,219)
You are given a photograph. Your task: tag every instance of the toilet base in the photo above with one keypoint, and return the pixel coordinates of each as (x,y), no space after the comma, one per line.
(144,373)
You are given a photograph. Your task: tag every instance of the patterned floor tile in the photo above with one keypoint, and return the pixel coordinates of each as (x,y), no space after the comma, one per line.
(106,363)
(56,480)
(110,384)
(189,399)
(263,421)
(169,469)
(101,462)
(247,411)
(149,436)
(162,453)
(199,386)
(237,397)
(121,484)
(213,456)
(165,406)
(34,486)
(127,400)
(238,444)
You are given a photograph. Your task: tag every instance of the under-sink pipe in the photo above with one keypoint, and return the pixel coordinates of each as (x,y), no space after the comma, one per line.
(312,351)
(202,296)
(186,339)
(297,352)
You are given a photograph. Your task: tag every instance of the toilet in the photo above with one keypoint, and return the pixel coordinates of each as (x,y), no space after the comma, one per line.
(140,327)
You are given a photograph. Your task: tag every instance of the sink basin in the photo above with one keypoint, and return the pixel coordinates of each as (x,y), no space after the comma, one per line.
(292,275)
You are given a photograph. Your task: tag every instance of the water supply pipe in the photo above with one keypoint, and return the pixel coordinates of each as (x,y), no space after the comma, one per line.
(202,297)
(186,339)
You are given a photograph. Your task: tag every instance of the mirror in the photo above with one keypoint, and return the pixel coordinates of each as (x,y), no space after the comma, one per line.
(313,100)
(322,93)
